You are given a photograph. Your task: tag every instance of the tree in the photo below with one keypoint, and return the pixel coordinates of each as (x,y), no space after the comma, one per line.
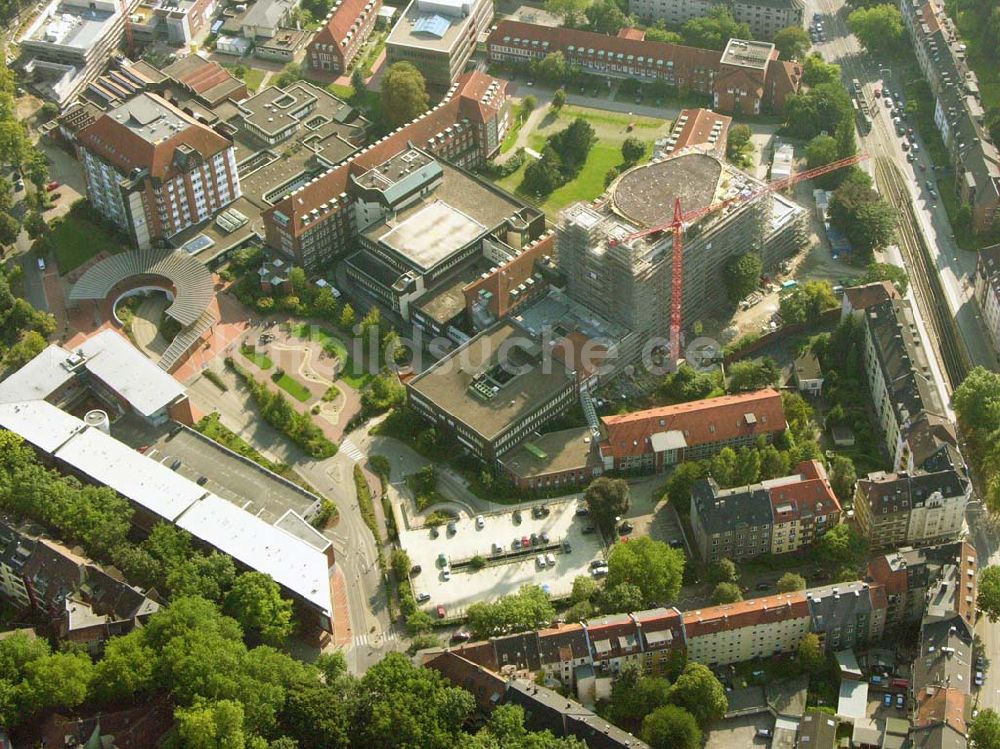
(984,730)
(671,727)
(876,272)
(815,70)
(872,227)
(652,566)
(823,107)
(687,384)
(358,81)
(584,589)
(410,706)
(723,571)
(9,229)
(347,317)
(59,680)
(842,477)
(529,608)
(700,693)
(726,593)
(791,582)
(792,42)
(810,655)
(28,346)
(989,592)
(569,10)
(742,275)
(634,696)
(211,725)
(753,374)
(847,142)
(820,151)
(127,669)
(879,29)
(209,576)
(552,67)
(841,545)
(291,73)
(541,177)
(633,149)
(607,499)
(621,598)
(738,140)
(682,481)
(659,33)
(605,17)
(559,99)
(806,302)
(404,94)
(255,602)
(36,168)
(714,30)
(36,225)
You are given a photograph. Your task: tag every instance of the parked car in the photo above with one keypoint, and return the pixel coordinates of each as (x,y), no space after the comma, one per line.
(446,574)
(551,559)
(543,537)
(626,527)
(540,561)
(440,611)
(581,510)
(900,701)
(887,699)
(525,542)
(480,522)
(461,636)
(979,678)
(764,733)
(599,572)
(452,528)
(567,547)
(18,184)
(534,539)
(202,480)
(175,465)
(51,186)
(416,569)
(763,586)
(41,264)
(442,559)
(423,597)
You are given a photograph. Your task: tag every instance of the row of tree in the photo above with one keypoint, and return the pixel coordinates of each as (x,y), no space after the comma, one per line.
(977,405)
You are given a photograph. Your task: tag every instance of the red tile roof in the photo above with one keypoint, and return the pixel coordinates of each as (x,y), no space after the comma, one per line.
(894,582)
(936,705)
(629,33)
(968,570)
(702,422)
(341,21)
(331,184)
(504,278)
(127,150)
(862,297)
(750,613)
(698,128)
(809,496)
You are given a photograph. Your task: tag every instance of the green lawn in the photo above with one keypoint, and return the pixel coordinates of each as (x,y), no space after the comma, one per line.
(76,239)
(333,344)
(254,78)
(612,130)
(262,361)
(291,386)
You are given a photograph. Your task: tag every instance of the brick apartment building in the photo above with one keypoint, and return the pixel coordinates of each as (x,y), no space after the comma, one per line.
(988,290)
(659,437)
(765,17)
(894,509)
(154,171)
(776,516)
(344,32)
(745,78)
(316,222)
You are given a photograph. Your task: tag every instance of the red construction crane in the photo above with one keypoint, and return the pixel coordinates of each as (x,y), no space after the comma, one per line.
(681,219)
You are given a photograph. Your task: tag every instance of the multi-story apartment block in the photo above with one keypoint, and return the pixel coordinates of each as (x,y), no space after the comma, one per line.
(894,509)
(776,516)
(988,290)
(69,42)
(317,222)
(585,657)
(765,17)
(154,171)
(746,78)
(958,108)
(347,27)
(899,375)
(438,37)
(80,601)
(908,574)
(659,437)
(177,22)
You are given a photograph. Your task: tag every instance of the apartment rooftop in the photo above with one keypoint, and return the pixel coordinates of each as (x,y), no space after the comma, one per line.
(435,25)
(646,194)
(748,54)
(73,24)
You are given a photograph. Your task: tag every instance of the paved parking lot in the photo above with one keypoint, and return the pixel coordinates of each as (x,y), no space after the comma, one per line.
(508,569)
(740,731)
(254,490)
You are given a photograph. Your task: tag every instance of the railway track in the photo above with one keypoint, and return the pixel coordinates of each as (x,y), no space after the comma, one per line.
(951,348)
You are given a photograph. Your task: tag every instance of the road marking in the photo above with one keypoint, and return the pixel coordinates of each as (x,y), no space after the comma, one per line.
(351,450)
(360,640)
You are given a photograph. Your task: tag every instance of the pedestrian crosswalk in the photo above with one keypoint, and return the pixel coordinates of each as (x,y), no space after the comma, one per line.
(376,639)
(351,450)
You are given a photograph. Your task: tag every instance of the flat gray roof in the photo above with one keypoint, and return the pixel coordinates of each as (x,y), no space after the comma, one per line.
(433,29)
(448,383)
(747,54)
(433,233)
(73,25)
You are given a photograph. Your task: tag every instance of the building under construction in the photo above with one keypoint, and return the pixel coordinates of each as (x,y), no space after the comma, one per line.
(628,280)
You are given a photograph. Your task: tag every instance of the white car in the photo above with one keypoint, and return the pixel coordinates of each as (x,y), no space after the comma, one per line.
(540,561)
(480,522)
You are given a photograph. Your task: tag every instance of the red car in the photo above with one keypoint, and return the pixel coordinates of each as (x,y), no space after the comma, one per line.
(440,611)
(525,542)
(51,186)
